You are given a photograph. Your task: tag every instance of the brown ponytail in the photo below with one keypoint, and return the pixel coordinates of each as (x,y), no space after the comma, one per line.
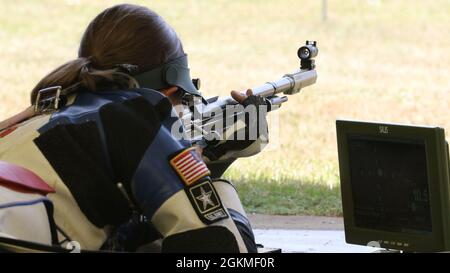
(120,42)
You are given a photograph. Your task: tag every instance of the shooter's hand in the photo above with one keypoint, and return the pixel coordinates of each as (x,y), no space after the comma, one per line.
(250,99)
(247,140)
(239,97)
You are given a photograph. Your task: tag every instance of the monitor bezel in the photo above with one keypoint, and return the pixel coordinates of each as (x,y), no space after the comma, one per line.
(437,168)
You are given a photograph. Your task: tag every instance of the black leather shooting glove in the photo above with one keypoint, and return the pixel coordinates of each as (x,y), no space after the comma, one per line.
(247,134)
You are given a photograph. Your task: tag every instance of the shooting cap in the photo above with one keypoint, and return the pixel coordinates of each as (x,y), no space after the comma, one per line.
(172,73)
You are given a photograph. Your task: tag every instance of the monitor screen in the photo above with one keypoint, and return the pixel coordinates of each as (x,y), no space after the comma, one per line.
(389,181)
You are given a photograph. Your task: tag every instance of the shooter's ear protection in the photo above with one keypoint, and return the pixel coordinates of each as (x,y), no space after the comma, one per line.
(173,73)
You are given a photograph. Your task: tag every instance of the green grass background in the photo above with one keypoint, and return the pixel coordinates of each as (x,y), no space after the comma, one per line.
(379,60)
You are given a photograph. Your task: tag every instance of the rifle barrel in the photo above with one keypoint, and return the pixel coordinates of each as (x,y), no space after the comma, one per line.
(289,84)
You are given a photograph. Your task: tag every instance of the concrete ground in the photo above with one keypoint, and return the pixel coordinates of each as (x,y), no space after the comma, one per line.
(262,221)
(303,234)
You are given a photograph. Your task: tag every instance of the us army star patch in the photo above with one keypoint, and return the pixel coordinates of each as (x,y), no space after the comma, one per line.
(206,202)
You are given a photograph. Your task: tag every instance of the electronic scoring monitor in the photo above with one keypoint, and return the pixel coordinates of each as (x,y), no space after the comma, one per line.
(395,185)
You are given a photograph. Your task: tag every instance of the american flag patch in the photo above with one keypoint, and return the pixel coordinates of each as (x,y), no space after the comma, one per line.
(189,166)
